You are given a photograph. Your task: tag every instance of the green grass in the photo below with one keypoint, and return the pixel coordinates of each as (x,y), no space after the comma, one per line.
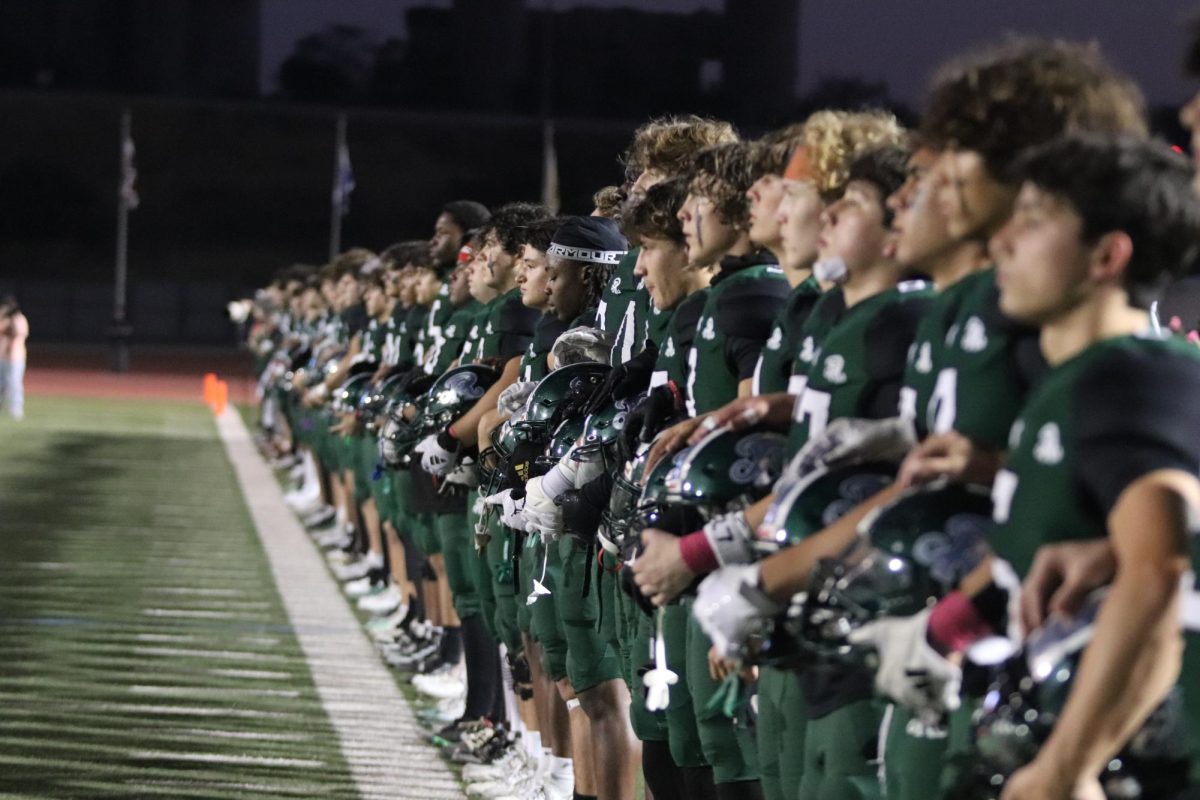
(143,648)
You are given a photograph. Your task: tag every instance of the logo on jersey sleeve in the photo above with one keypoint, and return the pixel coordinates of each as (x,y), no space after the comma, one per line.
(808,350)
(835,369)
(974,339)
(489,330)
(450,329)
(1049,449)
(776,340)
(615,287)
(924,360)
(710,332)
(669,348)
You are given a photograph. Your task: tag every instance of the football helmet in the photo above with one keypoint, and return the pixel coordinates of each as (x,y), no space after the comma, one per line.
(906,556)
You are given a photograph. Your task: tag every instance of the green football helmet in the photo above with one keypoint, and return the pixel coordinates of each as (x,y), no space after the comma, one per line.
(654,507)
(560,443)
(800,509)
(618,520)
(813,503)
(347,397)
(907,555)
(401,431)
(726,471)
(453,394)
(601,430)
(561,394)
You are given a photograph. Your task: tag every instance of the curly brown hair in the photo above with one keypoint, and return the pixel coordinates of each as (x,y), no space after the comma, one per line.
(654,214)
(668,144)
(834,139)
(999,100)
(723,174)
(770,153)
(608,201)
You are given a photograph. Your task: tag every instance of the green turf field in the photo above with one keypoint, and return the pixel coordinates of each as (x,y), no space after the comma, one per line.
(143,648)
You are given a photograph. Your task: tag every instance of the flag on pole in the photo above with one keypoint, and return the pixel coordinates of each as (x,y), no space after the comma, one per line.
(550,196)
(128,190)
(344,184)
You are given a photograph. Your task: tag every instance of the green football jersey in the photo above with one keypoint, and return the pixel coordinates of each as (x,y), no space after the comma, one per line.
(473,348)
(657,324)
(858,366)
(453,343)
(373,340)
(775,364)
(1118,410)
(623,309)
(533,362)
(969,367)
(508,328)
(733,326)
(672,361)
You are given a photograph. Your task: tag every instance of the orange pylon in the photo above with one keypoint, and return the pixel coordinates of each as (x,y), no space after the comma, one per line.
(210,388)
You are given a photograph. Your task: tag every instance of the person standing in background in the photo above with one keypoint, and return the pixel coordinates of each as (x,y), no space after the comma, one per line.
(14,331)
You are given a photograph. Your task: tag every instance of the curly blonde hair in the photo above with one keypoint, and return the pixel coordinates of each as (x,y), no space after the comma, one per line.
(668,144)
(834,139)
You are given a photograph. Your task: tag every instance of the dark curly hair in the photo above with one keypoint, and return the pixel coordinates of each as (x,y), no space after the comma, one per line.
(654,213)
(770,153)
(608,201)
(510,221)
(1023,92)
(885,168)
(723,174)
(1125,183)
(540,233)
(668,144)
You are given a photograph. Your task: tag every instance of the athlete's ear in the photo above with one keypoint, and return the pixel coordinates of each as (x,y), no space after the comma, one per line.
(1110,257)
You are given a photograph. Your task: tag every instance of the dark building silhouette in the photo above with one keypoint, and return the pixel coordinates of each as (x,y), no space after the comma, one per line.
(189,48)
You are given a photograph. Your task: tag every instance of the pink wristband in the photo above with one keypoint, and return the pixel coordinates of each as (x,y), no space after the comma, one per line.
(955,624)
(698,554)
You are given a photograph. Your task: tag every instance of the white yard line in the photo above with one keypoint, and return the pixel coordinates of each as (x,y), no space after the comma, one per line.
(383,745)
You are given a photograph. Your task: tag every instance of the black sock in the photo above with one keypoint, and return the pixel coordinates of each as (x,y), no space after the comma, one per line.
(698,783)
(452,646)
(483,664)
(740,790)
(663,778)
(499,712)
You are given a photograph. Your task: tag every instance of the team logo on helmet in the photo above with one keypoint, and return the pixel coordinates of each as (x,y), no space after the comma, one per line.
(463,385)
(755,455)
(853,491)
(951,555)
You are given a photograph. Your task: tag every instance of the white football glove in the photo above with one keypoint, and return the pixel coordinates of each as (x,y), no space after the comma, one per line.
(541,514)
(731,538)
(510,509)
(435,459)
(731,608)
(911,672)
(464,475)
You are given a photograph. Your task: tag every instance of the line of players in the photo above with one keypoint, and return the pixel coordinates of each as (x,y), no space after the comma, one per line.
(863,472)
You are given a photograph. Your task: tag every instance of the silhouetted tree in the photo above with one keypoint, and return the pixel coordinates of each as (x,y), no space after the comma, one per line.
(334,65)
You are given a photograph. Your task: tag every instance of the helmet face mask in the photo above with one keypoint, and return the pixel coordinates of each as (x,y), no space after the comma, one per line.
(561,394)
(453,394)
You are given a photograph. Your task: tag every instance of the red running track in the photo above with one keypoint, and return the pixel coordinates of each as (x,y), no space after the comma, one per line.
(155,373)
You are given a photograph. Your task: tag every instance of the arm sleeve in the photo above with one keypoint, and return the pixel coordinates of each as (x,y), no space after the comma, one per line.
(746,314)
(1135,413)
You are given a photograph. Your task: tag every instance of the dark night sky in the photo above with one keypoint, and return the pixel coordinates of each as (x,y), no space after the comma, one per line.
(897,42)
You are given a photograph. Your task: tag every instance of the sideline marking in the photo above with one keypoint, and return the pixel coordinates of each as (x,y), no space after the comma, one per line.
(383,745)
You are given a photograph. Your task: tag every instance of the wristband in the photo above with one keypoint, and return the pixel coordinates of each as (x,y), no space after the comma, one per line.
(955,624)
(698,554)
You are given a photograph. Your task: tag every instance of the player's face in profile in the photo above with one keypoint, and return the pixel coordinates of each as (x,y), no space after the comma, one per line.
(853,227)
(446,236)
(661,264)
(478,275)
(499,263)
(919,225)
(460,285)
(1041,260)
(533,278)
(765,194)
(645,180)
(567,288)
(973,202)
(799,218)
